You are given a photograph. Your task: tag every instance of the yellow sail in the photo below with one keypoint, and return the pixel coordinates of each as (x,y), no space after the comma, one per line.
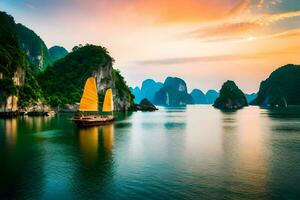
(89,99)
(108,105)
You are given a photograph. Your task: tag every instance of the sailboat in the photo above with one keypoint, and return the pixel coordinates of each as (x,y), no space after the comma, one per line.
(89,105)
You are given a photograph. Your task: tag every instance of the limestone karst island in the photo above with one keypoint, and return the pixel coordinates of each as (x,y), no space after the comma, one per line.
(184,99)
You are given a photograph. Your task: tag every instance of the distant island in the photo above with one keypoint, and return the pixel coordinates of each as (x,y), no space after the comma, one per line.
(173,92)
(231,97)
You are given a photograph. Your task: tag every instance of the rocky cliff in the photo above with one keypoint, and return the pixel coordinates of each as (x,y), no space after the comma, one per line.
(34,47)
(67,76)
(282,88)
(13,65)
(173,93)
(231,97)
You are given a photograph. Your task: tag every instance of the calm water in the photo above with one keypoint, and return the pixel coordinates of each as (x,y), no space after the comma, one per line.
(189,153)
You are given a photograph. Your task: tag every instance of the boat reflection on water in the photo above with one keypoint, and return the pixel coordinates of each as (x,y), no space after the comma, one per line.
(88,138)
(92,145)
(95,170)
(108,138)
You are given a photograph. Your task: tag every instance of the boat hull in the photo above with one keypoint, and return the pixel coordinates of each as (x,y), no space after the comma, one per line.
(92,121)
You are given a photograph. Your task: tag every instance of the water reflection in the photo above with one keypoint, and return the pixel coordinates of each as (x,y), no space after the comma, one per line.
(35,123)
(289,113)
(95,173)
(20,174)
(108,138)
(248,154)
(89,143)
(245,153)
(10,127)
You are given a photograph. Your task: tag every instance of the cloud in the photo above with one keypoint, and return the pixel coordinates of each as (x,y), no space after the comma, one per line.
(268,19)
(285,34)
(229,29)
(238,29)
(220,58)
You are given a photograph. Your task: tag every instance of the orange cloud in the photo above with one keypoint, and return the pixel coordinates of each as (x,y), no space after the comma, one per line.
(272,18)
(240,29)
(227,30)
(285,34)
(222,58)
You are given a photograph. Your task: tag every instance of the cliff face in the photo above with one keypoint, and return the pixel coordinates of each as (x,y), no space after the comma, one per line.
(34,47)
(9,101)
(66,78)
(12,64)
(173,93)
(231,97)
(282,88)
(107,77)
(17,84)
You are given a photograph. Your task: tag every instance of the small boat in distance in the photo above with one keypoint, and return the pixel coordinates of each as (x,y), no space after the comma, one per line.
(88,113)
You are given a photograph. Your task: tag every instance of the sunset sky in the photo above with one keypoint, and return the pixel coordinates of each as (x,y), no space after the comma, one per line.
(204,42)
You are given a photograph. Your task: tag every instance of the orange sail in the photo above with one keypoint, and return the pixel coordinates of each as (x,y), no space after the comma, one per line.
(89,99)
(108,105)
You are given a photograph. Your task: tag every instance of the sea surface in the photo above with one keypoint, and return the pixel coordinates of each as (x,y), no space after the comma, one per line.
(196,152)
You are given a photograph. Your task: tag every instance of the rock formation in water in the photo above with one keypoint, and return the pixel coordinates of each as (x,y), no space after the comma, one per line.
(66,78)
(231,97)
(173,93)
(136,93)
(148,90)
(198,97)
(145,105)
(281,89)
(57,52)
(211,96)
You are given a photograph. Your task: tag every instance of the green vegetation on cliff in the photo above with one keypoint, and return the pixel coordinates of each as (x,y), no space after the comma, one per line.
(11,56)
(30,92)
(34,47)
(63,82)
(14,63)
(282,88)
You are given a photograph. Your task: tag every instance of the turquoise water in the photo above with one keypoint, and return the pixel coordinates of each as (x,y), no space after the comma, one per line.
(196,152)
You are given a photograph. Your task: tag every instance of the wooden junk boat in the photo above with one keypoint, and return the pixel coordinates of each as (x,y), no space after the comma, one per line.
(89,104)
